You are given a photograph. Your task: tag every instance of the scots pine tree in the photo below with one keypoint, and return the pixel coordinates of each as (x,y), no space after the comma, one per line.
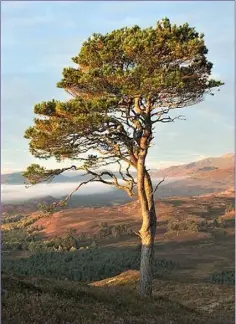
(124,84)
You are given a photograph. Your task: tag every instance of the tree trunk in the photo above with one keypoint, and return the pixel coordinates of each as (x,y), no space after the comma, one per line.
(146,275)
(145,195)
(147,231)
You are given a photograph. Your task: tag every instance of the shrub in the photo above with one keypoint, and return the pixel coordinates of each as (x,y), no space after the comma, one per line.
(93,245)
(85,265)
(20,223)
(109,231)
(65,243)
(17,239)
(82,237)
(229,208)
(33,229)
(204,225)
(224,277)
(176,225)
(12,219)
(219,222)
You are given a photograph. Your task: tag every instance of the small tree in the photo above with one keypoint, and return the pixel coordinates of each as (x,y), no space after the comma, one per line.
(125,83)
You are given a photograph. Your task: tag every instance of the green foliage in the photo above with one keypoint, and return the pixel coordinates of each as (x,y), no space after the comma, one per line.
(224,277)
(229,208)
(61,258)
(124,82)
(35,172)
(12,219)
(203,225)
(46,210)
(66,242)
(35,228)
(18,239)
(19,232)
(24,235)
(188,224)
(219,222)
(147,61)
(109,231)
(84,265)
(12,223)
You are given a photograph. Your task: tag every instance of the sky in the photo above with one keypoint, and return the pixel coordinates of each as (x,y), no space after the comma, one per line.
(38,39)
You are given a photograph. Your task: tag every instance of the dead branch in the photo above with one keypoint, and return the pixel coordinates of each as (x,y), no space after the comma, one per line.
(169,119)
(157,186)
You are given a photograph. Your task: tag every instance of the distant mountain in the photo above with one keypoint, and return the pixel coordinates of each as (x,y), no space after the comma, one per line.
(205,165)
(17,178)
(195,168)
(212,175)
(206,176)
(12,178)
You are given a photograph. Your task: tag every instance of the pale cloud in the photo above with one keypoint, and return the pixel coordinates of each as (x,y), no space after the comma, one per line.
(183,157)
(55,62)
(15,87)
(216,117)
(23,21)
(20,192)
(9,167)
(43,13)
(15,5)
(6,170)
(14,150)
(216,76)
(162,164)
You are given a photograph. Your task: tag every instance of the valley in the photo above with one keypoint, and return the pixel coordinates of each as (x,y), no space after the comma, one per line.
(88,254)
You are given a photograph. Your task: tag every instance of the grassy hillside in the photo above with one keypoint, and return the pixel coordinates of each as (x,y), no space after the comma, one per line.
(54,274)
(39,300)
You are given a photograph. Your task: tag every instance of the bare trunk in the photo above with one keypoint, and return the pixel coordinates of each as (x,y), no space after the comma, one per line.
(145,195)
(147,231)
(146,275)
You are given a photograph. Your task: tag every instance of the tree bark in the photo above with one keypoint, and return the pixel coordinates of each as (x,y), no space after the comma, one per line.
(146,275)
(145,195)
(147,239)
(148,229)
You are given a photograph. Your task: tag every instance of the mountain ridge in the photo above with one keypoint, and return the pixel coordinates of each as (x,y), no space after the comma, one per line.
(222,162)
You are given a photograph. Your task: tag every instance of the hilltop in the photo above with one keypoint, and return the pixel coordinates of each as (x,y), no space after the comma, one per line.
(207,176)
(224,162)
(212,163)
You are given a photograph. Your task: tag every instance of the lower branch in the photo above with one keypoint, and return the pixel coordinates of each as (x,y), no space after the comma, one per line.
(95,178)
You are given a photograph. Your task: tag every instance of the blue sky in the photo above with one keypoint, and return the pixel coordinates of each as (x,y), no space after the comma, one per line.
(39,38)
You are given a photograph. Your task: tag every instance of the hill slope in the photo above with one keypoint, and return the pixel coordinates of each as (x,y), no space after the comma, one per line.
(199,183)
(222,162)
(52,301)
(199,167)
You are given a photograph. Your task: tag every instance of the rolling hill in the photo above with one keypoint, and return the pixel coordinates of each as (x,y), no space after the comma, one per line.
(197,178)
(224,162)
(199,167)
